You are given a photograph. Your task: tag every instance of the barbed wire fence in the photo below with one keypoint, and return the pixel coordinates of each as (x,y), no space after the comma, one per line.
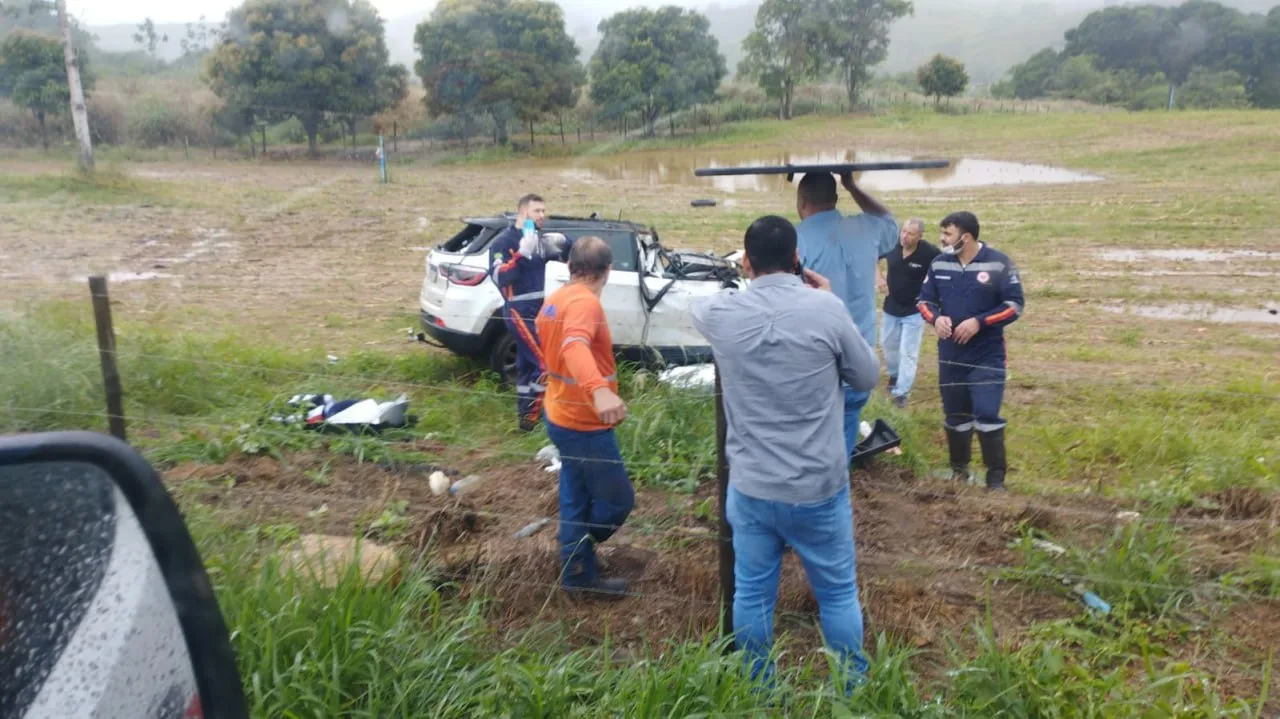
(111,356)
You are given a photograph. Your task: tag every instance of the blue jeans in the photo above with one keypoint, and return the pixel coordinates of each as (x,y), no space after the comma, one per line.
(822,536)
(596,497)
(854,401)
(900,337)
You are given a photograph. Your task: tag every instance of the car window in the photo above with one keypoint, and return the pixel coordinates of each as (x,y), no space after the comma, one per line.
(622,242)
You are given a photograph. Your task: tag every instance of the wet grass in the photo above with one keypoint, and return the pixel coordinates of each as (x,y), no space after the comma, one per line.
(193,396)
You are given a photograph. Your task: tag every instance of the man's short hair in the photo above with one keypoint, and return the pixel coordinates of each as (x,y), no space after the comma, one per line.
(524,201)
(966,222)
(770,244)
(590,257)
(818,189)
(917,222)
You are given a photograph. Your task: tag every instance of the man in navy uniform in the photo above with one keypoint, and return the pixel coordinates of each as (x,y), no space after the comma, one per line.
(969,295)
(518,259)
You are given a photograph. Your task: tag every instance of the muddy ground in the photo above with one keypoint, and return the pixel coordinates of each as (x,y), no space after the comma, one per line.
(932,557)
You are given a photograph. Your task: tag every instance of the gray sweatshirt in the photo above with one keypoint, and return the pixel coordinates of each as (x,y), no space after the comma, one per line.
(782,348)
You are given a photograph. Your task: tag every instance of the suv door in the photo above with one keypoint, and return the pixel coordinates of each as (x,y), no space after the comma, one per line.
(621,295)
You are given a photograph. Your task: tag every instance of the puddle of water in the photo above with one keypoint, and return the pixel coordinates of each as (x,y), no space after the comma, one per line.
(1201,312)
(676,168)
(1186,255)
(119,277)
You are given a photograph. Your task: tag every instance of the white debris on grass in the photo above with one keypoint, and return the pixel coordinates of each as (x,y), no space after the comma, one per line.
(373,412)
(438,482)
(550,456)
(1049,547)
(698,376)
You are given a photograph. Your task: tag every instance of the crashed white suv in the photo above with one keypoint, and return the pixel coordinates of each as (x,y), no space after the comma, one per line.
(646,300)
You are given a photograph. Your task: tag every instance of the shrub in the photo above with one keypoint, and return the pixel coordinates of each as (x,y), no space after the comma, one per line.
(106,120)
(17,126)
(155,123)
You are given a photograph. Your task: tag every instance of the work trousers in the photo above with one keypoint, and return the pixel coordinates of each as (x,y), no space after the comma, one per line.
(596,497)
(529,366)
(972,389)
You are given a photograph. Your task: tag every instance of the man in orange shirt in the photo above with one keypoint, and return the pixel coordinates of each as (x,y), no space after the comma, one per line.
(581,408)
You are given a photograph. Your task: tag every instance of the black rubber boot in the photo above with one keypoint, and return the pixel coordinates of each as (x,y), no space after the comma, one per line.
(960,446)
(992,444)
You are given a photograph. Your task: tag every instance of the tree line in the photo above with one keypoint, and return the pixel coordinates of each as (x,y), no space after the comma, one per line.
(506,65)
(1198,54)
(508,62)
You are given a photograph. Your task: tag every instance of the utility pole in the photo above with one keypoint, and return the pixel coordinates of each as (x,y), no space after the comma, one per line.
(79,114)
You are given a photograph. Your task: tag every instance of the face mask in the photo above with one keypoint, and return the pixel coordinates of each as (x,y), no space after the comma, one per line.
(952,249)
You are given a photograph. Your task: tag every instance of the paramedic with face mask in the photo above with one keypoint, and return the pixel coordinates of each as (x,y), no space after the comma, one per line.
(969,295)
(518,260)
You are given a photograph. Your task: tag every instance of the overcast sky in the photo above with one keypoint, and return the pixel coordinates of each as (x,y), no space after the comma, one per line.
(98,12)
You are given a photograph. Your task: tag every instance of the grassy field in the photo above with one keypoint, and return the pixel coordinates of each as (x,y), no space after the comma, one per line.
(265,270)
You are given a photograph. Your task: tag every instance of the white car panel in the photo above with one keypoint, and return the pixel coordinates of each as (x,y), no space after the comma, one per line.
(620,298)
(670,324)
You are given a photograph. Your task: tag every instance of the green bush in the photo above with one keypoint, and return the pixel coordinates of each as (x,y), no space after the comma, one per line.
(155,123)
(17,125)
(1212,90)
(107,124)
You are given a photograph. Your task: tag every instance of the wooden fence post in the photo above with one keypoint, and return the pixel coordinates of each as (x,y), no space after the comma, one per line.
(107,355)
(726,531)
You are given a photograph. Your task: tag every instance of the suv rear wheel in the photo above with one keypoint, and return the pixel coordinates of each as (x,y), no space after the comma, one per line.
(502,357)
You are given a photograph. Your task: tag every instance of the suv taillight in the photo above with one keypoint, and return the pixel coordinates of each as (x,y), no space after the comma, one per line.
(465,276)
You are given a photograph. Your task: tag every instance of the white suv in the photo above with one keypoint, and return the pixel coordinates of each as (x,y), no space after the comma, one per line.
(646,300)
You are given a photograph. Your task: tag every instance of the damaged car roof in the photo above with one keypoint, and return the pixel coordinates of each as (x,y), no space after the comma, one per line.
(496,222)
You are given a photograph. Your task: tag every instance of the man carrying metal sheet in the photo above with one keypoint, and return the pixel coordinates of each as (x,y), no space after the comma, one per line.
(846,249)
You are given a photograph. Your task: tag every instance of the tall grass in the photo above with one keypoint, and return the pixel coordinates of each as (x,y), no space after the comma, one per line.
(401,648)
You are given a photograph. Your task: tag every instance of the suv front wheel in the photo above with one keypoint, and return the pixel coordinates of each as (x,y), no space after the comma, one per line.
(502,356)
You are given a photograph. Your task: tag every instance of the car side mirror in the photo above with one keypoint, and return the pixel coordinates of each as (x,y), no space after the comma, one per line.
(105,606)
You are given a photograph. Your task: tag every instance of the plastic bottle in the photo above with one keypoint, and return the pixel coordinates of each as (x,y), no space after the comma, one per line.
(462,485)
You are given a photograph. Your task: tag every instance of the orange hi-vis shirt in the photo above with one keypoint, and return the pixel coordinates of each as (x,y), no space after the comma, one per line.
(577,348)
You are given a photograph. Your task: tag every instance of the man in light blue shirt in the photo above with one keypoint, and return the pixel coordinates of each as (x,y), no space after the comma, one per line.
(845,249)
